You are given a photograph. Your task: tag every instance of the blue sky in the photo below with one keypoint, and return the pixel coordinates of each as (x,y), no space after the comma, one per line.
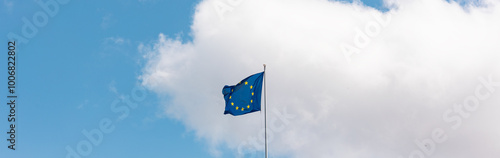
(67,73)
(85,58)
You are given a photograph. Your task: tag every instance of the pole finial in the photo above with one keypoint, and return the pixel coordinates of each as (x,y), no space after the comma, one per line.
(264,67)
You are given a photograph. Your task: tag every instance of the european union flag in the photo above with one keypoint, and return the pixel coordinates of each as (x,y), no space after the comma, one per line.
(244,97)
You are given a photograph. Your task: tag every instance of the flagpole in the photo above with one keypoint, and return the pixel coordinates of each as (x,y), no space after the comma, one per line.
(265,108)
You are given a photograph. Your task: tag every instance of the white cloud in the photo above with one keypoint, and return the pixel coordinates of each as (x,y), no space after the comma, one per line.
(426,59)
(115,44)
(116,40)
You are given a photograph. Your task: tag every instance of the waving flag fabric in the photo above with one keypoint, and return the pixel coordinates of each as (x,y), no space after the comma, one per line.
(244,97)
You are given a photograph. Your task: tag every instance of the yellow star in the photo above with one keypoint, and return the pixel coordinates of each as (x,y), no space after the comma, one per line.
(248,106)
(246,82)
(231,90)
(251,101)
(242,109)
(229,97)
(236,108)
(232,103)
(252,93)
(251,87)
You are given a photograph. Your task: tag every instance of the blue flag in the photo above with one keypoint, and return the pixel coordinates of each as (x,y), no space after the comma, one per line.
(244,97)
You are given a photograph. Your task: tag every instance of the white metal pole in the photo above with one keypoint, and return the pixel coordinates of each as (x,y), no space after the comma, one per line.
(265,108)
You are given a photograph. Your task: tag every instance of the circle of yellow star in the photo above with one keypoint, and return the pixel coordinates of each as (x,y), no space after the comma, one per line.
(229,97)
(248,106)
(252,93)
(242,109)
(232,103)
(236,108)
(246,82)
(251,101)
(251,87)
